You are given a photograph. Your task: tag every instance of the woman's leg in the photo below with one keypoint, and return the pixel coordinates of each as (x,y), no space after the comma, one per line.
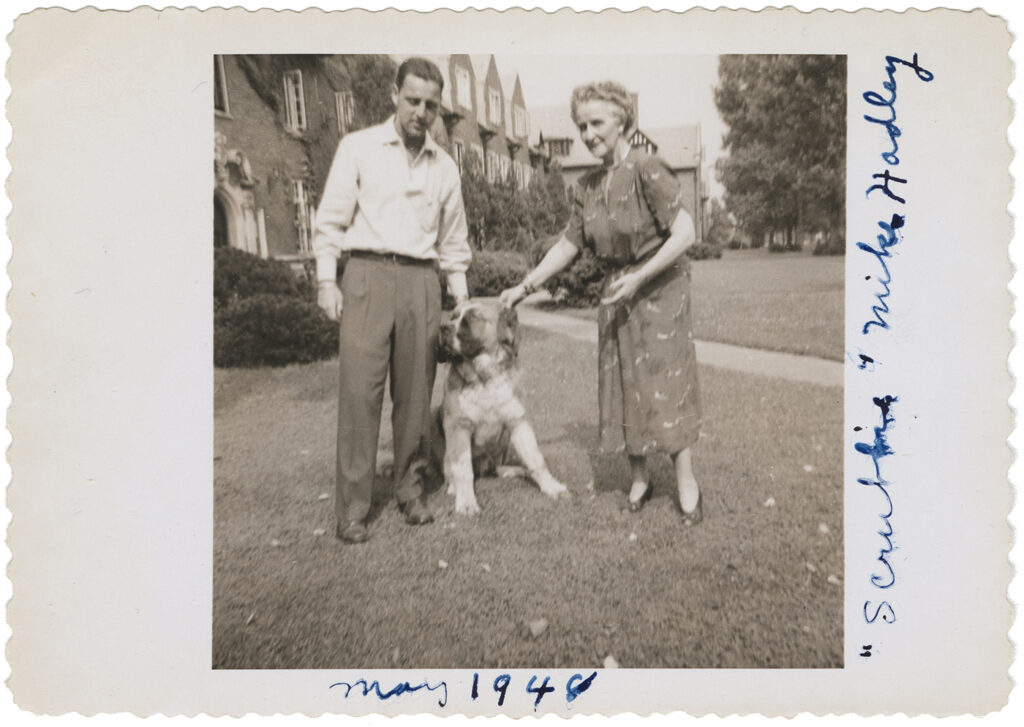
(638,468)
(689,491)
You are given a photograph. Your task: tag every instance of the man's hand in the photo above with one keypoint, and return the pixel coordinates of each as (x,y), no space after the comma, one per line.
(328,297)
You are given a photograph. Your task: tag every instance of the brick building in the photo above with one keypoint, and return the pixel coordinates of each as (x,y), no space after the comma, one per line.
(263,197)
(270,111)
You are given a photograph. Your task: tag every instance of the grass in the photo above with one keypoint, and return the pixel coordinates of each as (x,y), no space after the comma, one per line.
(776,301)
(747,588)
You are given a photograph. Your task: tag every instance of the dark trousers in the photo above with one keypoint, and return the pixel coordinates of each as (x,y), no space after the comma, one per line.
(390,320)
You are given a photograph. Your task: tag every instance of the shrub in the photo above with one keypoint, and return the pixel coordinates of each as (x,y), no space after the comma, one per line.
(272,330)
(502,217)
(492,272)
(830,247)
(704,251)
(238,274)
(580,285)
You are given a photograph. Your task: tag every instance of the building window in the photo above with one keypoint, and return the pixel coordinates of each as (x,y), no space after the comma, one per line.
(559,147)
(527,176)
(459,152)
(521,122)
(478,158)
(494,106)
(303,215)
(295,101)
(462,87)
(220,86)
(493,166)
(506,168)
(346,109)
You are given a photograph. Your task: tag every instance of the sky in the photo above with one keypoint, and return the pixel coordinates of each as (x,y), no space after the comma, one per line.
(673,90)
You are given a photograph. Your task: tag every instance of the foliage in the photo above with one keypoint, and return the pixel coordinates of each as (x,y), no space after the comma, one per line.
(369,77)
(264,315)
(831,245)
(272,330)
(493,271)
(704,251)
(264,73)
(503,217)
(238,274)
(579,285)
(786,142)
(720,229)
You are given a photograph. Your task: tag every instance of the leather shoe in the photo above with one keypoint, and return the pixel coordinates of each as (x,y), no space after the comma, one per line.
(416,511)
(354,531)
(638,504)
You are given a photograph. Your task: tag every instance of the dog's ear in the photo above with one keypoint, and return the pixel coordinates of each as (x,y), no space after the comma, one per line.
(508,331)
(443,355)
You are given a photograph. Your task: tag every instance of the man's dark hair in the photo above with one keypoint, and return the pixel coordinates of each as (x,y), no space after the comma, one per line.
(421,68)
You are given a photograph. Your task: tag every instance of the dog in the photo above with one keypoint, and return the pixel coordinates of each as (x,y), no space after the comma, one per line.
(483,421)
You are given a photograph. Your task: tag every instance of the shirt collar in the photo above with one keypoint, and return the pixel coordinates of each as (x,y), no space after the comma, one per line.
(389,136)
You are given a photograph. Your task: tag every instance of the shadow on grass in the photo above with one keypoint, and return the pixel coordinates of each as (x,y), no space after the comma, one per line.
(610,471)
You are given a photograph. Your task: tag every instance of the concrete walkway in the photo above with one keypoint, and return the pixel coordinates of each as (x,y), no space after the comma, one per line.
(807,369)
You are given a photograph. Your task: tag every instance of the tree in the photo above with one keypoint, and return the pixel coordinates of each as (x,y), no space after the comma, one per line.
(503,217)
(785,167)
(720,229)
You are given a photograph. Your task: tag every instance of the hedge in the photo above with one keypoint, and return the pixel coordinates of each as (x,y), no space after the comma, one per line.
(579,286)
(272,330)
(238,274)
(493,271)
(264,315)
(704,251)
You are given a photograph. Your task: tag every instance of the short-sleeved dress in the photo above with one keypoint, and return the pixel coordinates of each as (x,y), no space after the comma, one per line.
(647,379)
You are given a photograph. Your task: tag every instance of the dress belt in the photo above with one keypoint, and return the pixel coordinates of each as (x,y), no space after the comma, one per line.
(392,257)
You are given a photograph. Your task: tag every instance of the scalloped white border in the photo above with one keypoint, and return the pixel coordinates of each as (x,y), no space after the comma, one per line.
(1008,9)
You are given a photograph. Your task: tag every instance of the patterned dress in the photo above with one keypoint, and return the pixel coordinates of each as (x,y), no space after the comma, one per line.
(647,379)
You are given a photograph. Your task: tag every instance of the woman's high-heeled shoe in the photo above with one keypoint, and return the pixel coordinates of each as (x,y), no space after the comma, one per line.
(638,504)
(695,516)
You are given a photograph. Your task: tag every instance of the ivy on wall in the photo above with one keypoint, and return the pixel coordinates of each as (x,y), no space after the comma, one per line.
(368,77)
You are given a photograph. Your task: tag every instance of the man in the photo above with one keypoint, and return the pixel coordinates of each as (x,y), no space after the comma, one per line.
(393,202)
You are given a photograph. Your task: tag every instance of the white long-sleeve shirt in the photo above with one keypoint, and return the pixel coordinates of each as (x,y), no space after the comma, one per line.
(376,199)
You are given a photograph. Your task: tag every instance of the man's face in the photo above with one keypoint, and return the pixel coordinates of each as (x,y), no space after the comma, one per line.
(416,105)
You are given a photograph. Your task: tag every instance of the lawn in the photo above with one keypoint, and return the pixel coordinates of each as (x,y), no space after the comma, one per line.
(750,587)
(777,301)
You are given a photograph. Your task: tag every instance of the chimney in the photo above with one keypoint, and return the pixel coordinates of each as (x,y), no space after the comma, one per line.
(636,110)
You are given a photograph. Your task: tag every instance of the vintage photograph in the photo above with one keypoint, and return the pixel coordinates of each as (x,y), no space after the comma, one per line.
(528,361)
(628,364)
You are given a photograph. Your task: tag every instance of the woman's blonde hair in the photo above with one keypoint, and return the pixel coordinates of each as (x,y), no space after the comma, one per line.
(610,91)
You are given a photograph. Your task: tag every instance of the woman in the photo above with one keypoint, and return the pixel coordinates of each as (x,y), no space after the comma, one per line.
(629,213)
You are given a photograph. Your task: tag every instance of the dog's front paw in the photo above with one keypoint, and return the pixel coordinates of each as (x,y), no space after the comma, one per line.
(466,506)
(554,489)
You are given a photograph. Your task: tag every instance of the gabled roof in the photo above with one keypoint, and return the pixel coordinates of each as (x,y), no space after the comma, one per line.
(553,122)
(480,62)
(508,84)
